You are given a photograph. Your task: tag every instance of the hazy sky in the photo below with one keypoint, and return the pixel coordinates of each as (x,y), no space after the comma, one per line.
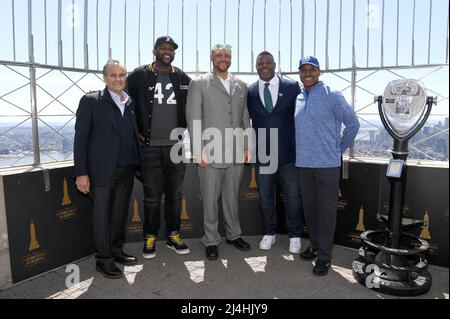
(200,30)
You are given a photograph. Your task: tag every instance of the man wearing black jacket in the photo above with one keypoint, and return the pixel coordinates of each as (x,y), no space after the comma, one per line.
(160,92)
(106,153)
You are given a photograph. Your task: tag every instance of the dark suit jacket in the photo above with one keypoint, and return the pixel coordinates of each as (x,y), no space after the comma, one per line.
(282,117)
(96,144)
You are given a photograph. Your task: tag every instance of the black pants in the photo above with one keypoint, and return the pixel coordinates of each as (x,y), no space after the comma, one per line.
(110,212)
(319,188)
(161,175)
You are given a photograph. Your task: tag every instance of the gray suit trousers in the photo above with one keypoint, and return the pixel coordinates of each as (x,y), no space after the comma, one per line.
(213,183)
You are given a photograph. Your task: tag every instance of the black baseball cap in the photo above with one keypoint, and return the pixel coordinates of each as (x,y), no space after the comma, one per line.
(165,39)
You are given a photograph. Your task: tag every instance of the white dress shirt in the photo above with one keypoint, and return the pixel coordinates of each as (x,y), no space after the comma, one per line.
(226,83)
(273,88)
(116,98)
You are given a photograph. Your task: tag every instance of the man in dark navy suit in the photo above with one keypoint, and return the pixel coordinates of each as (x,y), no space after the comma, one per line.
(105,158)
(271,104)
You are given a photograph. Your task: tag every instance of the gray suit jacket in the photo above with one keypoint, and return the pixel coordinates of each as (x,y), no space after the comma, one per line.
(209,102)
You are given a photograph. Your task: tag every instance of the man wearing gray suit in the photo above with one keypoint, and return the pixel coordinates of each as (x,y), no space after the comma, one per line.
(217,107)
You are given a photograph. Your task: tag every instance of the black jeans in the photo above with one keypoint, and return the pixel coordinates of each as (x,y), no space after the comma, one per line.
(319,189)
(160,176)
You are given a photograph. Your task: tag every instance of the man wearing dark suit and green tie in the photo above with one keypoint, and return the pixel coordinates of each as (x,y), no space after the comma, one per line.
(271,105)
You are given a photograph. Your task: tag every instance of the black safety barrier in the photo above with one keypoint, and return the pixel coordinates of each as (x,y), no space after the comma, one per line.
(49,223)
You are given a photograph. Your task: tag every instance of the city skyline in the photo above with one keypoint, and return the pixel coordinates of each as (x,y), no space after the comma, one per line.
(427,144)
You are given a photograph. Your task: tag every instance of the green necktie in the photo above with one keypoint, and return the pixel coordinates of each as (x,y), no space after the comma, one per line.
(268,98)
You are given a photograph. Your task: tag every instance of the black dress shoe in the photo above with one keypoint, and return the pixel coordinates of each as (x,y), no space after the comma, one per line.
(240,244)
(125,259)
(321,267)
(212,252)
(108,270)
(309,254)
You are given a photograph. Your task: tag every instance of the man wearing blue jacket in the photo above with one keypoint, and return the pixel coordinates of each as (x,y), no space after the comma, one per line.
(319,115)
(271,105)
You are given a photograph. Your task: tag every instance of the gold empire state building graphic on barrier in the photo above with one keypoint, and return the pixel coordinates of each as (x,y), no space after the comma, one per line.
(253,179)
(66,199)
(360,227)
(33,240)
(425,233)
(184,214)
(136,217)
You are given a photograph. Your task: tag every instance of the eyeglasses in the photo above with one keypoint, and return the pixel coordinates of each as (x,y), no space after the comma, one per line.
(221,46)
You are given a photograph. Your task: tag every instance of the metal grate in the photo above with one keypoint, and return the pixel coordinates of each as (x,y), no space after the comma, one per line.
(55,50)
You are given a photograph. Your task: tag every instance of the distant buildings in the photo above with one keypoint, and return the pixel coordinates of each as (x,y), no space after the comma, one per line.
(432,141)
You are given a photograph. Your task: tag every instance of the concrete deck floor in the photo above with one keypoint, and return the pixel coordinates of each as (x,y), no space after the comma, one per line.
(256,274)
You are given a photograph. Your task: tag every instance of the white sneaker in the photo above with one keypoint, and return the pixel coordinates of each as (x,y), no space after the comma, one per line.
(295,245)
(267,242)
